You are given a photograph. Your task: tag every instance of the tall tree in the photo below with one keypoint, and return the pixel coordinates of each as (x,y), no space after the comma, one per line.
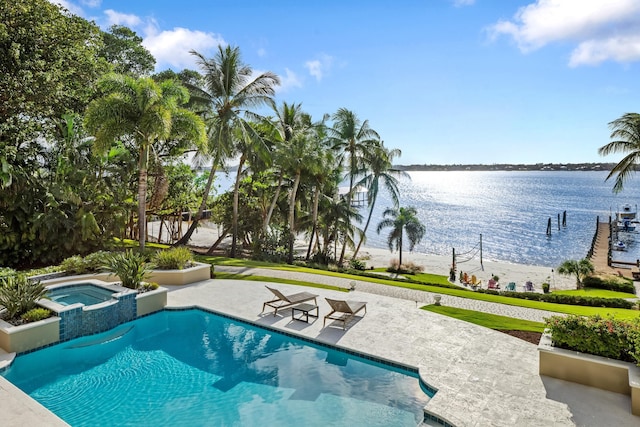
(123,49)
(402,221)
(353,138)
(49,65)
(233,91)
(144,112)
(381,170)
(625,133)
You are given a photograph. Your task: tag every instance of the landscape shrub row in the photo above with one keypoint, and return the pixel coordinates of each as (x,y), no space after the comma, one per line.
(615,339)
(565,299)
(619,284)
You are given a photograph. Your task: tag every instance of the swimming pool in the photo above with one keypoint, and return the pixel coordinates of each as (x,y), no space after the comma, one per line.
(196,368)
(84,293)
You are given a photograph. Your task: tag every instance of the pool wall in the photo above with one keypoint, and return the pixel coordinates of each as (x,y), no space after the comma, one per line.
(27,337)
(77,320)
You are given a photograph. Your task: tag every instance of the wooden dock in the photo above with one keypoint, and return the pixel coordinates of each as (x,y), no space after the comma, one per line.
(600,257)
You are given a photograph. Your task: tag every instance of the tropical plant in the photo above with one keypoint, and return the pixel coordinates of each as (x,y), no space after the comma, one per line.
(625,133)
(36,314)
(233,92)
(401,221)
(18,294)
(380,171)
(176,258)
(354,139)
(130,267)
(145,113)
(580,269)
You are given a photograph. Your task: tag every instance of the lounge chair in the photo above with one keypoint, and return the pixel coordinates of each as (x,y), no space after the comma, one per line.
(284,301)
(343,311)
(475,283)
(510,287)
(492,284)
(528,286)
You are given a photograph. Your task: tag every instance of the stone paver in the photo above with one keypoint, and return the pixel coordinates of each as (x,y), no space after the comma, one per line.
(419,297)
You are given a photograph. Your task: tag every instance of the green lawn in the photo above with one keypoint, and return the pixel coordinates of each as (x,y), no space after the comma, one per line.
(596,293)
(492,321)
(618,313)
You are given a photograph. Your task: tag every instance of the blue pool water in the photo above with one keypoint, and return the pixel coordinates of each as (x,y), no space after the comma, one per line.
(194,368)
(86,294)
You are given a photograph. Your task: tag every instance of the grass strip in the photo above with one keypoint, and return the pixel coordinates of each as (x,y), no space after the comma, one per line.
(596,293)
(235,276)
(492,321)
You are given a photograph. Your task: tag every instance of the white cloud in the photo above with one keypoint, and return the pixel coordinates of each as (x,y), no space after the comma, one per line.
(288,81)
(262,52)
(603,29)
(319,67)
(117,18)
(75,9)
(91,3)
(619,49)
(171,47)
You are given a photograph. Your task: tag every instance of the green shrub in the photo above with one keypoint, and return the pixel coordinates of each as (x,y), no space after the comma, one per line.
(74,264)
(36,314)
(149,286)
(176,258)
(405,268)
(612,283)
(6,271)
(95,261)
(595,335)
(545,288)
(130,267)
(356,264)
(19,295)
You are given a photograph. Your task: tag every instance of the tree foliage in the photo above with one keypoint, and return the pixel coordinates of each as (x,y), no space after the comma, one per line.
(123,49)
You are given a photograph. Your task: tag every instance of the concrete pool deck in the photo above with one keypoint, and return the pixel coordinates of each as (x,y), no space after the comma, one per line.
(483,377)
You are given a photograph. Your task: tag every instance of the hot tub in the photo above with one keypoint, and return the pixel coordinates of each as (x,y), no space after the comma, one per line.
(83,293)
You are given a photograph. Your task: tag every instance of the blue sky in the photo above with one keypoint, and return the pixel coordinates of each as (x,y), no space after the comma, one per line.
(445,81)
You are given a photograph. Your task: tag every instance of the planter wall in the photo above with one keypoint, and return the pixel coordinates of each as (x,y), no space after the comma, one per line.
(182,277)
(29,336)
(152,301)
(593,371)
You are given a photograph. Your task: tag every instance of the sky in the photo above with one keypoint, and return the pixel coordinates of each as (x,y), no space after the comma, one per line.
(444,81)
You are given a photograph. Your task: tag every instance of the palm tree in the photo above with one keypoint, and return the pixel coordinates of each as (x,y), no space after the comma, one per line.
(402,220)
(233,92)
(626,135)
(580,269)
(145,112)
(354,139)
(380,162)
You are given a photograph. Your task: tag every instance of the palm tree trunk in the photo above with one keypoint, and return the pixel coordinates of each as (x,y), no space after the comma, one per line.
(344,246)
(234,220)
(217,242)
(267,220)
(142,197)
(292,211)
(316,201)
(364,232)
(400,249)
(205,196)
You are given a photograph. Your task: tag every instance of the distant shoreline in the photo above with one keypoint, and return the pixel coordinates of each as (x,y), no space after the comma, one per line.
(578,167)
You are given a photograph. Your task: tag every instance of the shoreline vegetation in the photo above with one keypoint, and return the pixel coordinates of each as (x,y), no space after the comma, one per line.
(579,167)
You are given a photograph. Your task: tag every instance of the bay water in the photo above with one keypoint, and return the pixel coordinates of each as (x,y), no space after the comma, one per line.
(510,209)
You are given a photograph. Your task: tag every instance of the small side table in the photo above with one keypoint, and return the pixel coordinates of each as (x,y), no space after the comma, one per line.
(305,312)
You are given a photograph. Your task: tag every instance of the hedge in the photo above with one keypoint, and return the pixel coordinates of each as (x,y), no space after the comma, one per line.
(595,335)
(619,284)
(565,299)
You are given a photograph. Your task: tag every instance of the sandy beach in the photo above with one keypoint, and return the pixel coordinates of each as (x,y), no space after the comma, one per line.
(377,257)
